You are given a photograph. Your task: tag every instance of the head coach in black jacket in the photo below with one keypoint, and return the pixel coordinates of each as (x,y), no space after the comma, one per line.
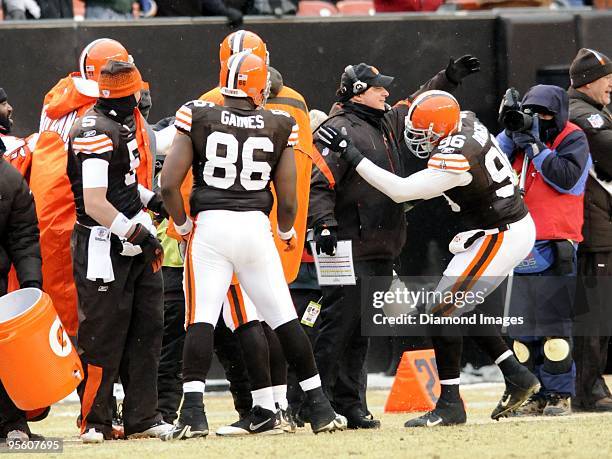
(344,206)
(19,246)
(591,77)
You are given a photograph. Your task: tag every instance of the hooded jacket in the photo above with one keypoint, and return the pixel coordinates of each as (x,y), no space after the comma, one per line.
(596,121)
(556,177)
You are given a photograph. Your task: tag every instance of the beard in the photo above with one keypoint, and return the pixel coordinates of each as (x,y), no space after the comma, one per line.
(5,124)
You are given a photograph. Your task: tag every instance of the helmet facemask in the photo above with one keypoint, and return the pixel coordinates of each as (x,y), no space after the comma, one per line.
(421,142)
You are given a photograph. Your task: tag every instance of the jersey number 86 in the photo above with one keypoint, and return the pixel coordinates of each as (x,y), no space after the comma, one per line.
(228,163)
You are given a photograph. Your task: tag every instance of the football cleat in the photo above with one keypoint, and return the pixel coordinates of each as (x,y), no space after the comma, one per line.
(287,422)
(444,414)
(192,422)
(259,421)
(534,406)
(519,387)
(337,423)
(557,405)
(92,436)
(17,435)
(323,418)
(157,430)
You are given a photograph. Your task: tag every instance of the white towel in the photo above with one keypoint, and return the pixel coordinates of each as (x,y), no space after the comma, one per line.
(99,264)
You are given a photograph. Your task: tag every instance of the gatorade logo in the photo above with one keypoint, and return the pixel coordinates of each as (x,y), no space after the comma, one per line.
(59,340)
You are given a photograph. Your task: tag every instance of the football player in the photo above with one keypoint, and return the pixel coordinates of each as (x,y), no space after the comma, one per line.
(238,308)
(235,151)
(116,263)
(239,313)
(68,100)
(460,160)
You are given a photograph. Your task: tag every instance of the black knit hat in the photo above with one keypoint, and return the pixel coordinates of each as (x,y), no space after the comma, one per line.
(3,95)
(589,65)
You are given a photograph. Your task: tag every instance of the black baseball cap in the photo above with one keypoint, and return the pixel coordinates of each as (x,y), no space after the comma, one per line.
(358,78)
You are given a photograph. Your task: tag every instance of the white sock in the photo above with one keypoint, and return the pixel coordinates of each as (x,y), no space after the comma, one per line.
(280,396)
(311,383)
(264,398)
(194,386)
(503,357)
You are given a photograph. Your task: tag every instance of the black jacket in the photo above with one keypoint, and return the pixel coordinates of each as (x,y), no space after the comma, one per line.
(19,236)
(596,121)
(340,197)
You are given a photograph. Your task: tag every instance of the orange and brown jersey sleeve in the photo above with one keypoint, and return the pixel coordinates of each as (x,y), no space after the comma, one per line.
(184,119)
(454,163)
(95,144)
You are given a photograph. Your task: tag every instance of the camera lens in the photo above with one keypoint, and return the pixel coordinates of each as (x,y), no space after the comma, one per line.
(516,121)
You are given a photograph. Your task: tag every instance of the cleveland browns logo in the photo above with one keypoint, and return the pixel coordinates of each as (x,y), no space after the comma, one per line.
(59,340)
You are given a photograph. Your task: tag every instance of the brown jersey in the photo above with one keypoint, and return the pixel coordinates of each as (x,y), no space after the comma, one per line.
(235,153)
(97,136)
(492,198)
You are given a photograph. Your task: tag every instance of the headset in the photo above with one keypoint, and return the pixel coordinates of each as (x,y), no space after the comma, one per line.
(358,85)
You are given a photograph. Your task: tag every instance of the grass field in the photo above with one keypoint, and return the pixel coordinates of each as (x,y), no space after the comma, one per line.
(578,435)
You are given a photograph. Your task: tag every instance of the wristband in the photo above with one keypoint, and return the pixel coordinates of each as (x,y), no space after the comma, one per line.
(286,236)
(145,195)
(121,225)
(185,228)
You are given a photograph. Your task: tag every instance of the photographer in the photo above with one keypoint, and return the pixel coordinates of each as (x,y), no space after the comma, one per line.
(591,75)
(557,166)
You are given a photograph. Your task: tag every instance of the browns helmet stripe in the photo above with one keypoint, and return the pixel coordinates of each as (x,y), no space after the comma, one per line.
(234,64)
(84,54)
(237,41)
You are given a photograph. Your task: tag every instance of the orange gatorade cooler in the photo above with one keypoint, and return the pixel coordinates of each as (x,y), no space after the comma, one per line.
(38,364)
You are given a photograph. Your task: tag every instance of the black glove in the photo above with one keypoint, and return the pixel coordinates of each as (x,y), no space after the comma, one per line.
(156,205)
(339,143)
(234,17)
(529,141)
(145,103)
(458,69)
(151,248)
(326,239)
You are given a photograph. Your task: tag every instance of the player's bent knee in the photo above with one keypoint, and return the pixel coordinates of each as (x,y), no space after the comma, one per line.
(557,355)
(522,352)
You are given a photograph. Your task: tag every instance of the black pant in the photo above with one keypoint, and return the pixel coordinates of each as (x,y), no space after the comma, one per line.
(11,417)
(301,298)
(228,350)
(120,334)
(341,350)
(169,376)
(590,350)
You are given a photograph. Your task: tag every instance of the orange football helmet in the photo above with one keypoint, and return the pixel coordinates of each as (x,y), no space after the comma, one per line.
(245,75)
(433,115)
(243,40)
(99,52)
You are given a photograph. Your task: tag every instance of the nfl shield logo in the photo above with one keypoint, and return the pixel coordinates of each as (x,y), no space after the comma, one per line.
(596,120)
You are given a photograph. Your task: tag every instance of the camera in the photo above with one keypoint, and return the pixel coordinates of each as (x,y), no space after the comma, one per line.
(510,114)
